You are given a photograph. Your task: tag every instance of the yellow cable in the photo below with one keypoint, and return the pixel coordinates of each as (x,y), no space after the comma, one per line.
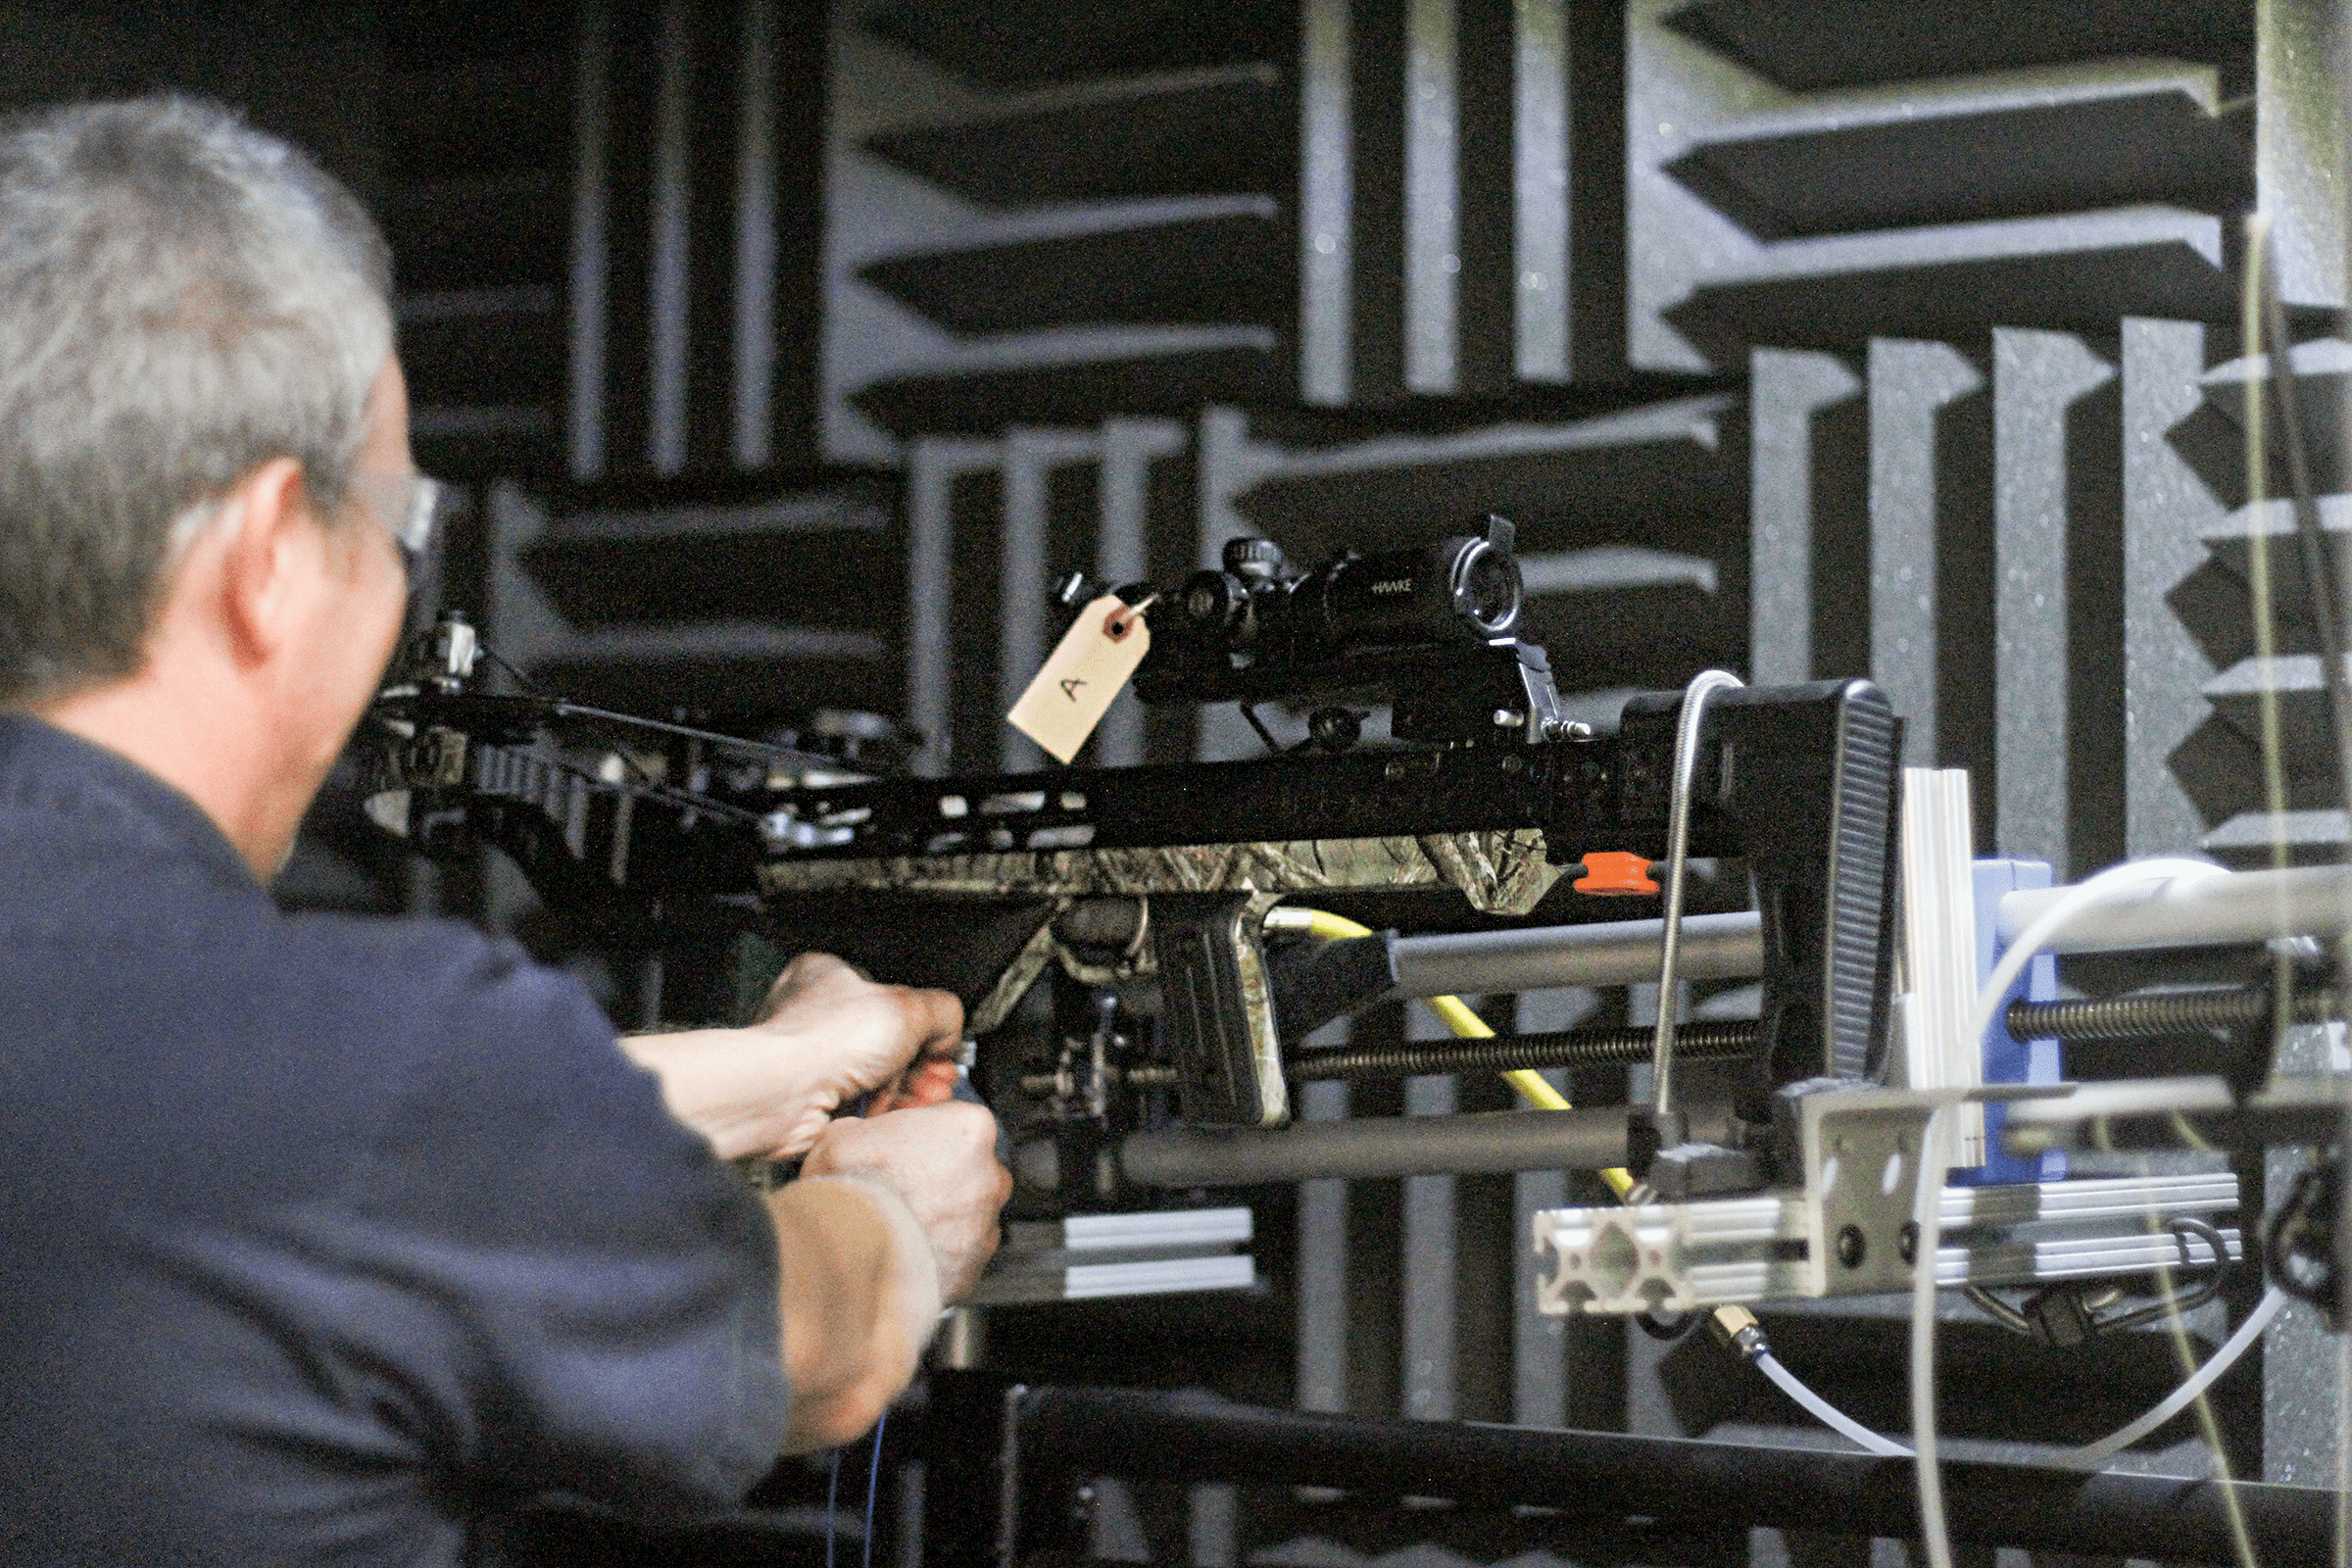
(1452,1011)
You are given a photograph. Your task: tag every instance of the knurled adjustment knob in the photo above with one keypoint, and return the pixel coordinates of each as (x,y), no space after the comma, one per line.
(1213,601)
(1252,559)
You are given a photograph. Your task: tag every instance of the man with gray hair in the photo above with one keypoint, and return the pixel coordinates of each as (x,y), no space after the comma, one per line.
(326,1237)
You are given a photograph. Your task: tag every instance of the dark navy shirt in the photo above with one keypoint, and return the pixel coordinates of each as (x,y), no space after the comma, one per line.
(322,1239)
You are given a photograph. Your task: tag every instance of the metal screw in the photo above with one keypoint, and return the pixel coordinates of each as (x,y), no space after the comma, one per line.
(1335,729)
(1850,1246)
(1906,1242)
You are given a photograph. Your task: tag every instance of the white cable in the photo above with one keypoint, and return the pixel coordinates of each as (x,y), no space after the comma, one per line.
(2048,923)
(1927,1214)
(1927,1220)
(1827,1414)
(1928,1195)
(2091,1455)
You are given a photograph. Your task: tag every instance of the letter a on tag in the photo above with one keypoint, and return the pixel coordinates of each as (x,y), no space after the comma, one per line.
(1071,694)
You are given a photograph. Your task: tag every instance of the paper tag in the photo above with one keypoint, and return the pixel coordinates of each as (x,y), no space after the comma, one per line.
(1071,694)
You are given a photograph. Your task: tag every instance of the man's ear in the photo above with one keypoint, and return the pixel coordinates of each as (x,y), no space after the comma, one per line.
(273,550)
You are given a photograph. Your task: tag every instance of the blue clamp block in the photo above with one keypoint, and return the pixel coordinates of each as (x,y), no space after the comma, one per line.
(2009,1061)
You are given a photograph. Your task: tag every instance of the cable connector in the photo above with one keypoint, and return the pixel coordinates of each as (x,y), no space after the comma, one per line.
(1736,1328)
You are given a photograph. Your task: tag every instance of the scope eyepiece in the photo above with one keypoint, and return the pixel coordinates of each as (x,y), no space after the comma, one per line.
(1217,605)
(1487,589)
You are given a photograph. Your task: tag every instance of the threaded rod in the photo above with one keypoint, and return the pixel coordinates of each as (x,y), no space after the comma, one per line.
(2147,1016)
(1566,1048)
(2155,1016)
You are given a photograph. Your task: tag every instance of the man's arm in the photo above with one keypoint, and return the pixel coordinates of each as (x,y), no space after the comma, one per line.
(894,1213)
(825,1034)
(893,1217)
(861,1293)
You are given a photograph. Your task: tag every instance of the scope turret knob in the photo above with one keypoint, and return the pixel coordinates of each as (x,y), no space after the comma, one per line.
(1214,601)
(1254,559)
(451,649)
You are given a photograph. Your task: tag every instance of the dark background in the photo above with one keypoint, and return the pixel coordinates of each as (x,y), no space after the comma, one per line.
(783,352)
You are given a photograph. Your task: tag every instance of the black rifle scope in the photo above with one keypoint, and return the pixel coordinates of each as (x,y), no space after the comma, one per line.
(1463,589)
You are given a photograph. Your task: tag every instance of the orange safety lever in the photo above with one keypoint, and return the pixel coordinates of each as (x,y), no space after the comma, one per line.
(1613,873)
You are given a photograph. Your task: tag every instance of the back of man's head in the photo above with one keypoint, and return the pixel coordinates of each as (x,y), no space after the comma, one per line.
(181,299)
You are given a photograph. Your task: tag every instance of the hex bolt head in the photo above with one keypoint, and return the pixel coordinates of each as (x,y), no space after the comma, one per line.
(1851,1247)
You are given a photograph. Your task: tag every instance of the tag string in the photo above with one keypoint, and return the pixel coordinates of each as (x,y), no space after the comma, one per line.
(1121,618)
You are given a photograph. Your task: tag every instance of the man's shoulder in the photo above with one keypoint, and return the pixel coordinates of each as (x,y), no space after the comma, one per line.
(164,966)
(435,998)
(445,968)
(427,956)
(226,948)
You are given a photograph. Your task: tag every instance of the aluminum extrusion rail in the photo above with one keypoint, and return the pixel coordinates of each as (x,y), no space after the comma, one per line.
(1833,1237)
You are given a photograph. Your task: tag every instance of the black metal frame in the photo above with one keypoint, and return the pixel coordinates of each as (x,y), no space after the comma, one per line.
(1800,781)
(1008,1464)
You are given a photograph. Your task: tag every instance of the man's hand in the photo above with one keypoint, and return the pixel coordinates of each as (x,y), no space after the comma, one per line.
(825,1035)
(865,1031)
(940,1159)
(892,1216)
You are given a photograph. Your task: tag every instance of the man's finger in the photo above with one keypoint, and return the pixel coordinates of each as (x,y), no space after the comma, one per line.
(936,1019)
(802,973)
(928,1083)
(927,1026)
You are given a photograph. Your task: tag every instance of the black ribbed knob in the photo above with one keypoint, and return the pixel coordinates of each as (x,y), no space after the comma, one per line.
(1252,559)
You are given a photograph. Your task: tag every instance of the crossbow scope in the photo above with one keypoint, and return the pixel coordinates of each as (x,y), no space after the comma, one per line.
(1428,628)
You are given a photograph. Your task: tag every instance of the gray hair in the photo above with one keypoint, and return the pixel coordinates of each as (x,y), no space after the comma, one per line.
(181,300)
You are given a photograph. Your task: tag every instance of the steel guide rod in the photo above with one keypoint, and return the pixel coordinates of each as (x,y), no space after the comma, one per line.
(2224,910)
(1052,1438)
(2227,909)
(1614,952)
(1489,1142)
